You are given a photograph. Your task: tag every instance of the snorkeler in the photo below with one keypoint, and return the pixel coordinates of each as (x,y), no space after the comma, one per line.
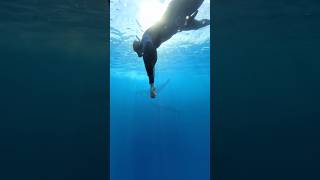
(179,16)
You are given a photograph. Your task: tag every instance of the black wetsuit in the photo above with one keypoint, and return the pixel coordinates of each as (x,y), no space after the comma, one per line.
(173,21)
(151,40)
(149,50)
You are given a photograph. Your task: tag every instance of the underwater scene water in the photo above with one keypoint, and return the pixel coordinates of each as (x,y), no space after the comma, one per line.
(53,89)
(167,137)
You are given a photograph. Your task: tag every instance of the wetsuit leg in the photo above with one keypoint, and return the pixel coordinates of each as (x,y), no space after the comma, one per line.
(194,24)
(150,59)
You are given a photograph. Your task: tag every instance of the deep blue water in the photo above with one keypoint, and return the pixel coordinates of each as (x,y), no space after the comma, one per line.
(53,89)
(167,137)
(266,78)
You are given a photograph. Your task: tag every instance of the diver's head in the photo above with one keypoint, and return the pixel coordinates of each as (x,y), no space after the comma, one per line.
(137,47)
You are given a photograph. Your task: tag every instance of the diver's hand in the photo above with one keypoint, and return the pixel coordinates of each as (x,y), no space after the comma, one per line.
(153,93)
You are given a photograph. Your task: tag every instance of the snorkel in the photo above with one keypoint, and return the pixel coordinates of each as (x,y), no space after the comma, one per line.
(138,38)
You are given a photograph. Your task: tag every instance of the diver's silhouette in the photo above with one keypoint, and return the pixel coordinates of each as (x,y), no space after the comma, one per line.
(179,16)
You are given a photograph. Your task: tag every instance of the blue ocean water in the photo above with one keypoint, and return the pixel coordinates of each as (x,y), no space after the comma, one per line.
(266,78)
(167,137)
(53,89)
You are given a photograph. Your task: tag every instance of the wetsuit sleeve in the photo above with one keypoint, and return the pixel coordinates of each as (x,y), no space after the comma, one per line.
(150,59)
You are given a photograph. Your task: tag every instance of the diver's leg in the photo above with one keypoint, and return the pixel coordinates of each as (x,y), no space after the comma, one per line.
(202,23)
(178,10)
(195,24)
(182,8)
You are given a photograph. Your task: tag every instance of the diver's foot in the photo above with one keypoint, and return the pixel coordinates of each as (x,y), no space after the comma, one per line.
(153,93)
